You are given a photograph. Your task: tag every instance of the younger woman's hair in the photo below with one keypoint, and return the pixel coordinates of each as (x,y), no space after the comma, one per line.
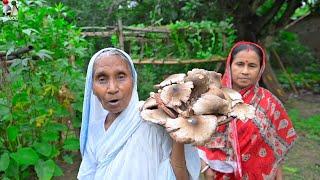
(242,47)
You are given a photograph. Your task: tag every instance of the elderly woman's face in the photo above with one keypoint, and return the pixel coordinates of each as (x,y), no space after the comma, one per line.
(112,83)
(245,69)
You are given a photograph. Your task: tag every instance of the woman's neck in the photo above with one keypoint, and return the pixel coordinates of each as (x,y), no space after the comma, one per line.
(109,120)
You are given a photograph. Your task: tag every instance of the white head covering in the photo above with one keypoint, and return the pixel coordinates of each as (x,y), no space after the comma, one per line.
(125,124)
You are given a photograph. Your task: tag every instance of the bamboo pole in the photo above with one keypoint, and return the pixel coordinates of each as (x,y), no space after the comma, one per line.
(148,29)
(177,61)
(285,71)
(100,34)
(121,37)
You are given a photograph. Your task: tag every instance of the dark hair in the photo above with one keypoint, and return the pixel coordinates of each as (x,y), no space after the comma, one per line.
(242,47)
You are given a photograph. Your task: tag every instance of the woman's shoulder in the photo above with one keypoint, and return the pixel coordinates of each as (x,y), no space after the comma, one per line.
(268,94)
(150,133)
(269,101)
(151,129)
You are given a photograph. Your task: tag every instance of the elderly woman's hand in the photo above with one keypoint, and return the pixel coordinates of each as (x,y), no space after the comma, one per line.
(207,172)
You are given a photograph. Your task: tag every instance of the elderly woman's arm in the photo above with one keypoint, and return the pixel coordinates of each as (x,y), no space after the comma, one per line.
(279,174)
(178,161)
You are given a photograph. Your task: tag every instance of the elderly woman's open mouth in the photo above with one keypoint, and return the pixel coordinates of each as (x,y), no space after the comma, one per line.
(113,102)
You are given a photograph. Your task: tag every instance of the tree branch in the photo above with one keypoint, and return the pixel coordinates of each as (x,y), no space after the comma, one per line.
(256,4)
(292,6)
(265,20)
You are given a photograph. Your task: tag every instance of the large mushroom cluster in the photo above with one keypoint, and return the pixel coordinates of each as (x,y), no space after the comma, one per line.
(191,106)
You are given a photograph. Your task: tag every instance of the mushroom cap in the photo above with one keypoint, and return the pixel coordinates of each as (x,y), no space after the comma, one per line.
(243,111)
(157,116)
(172,79)
(173,95)
(215,78)
(233,94)
(209,103)
(201,81)
(216,91)
(150,103)
(196,130)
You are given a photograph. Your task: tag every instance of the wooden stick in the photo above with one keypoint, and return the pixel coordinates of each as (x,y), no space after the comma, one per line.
(15,54)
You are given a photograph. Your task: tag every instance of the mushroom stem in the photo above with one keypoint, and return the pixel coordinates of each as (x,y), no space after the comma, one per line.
(163,107)
(227,120)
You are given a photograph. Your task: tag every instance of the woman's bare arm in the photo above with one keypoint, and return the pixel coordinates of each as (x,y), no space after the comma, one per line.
(178,161)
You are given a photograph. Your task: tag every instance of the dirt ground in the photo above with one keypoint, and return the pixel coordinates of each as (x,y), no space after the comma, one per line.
(303,161)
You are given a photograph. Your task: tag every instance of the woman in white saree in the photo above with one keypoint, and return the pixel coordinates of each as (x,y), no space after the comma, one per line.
(115,142)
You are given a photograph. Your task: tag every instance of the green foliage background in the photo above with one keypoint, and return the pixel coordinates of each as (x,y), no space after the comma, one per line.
(41,91)
(41,94)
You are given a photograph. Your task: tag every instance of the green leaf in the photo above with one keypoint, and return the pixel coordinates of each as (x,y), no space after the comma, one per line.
(50,136)
(4,110)
(25,156)
(55,152)
(58,171)
(13,170)
(4,161)
(20,98)
(45,169)
(12,133)
(43,54)
(43,148)
(68,159)
(29,31)
(71,144)
(56,127)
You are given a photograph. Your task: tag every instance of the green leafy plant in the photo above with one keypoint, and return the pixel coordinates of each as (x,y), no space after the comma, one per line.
(40,92)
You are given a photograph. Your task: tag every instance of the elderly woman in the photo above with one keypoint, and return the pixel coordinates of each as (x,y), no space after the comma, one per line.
(115,142)
(251,149)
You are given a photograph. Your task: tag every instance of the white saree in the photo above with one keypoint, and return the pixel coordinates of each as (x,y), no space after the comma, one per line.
(130,148)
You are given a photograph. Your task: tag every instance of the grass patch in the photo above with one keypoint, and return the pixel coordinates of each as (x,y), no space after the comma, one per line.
(310,125)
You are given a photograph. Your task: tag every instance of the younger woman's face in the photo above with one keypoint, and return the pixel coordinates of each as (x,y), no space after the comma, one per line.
(112,83)
(245,68)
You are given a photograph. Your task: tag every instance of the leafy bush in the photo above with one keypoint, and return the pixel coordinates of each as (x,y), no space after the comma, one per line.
(186,40)
(40,92)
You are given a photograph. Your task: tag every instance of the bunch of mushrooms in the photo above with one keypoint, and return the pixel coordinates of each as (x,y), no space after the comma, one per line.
(191,106)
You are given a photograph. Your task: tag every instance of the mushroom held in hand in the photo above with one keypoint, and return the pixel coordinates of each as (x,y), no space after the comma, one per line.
(196,130)
(172,79)
(191,106)
(173,95)
(157,116)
